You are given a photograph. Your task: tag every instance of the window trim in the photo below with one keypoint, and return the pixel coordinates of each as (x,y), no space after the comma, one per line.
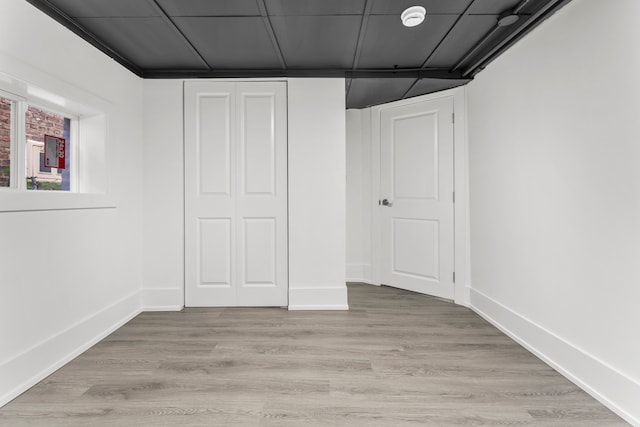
(17,198)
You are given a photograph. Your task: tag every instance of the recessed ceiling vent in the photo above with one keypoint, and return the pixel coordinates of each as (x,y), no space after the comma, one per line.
(413,16)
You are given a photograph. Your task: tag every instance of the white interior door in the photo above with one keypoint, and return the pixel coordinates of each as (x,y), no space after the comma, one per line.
(235,194)
(416,207)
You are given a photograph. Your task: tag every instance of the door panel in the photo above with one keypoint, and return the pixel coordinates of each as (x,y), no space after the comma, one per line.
(259,244)
(258,144)
(415,157)
(415,248)
(416,169)
(214,133)
(214,238)
(235,194)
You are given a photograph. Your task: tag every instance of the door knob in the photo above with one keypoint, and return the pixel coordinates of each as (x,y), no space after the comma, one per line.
(387,203)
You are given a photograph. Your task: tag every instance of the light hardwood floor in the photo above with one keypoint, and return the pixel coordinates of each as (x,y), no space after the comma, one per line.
(395,359)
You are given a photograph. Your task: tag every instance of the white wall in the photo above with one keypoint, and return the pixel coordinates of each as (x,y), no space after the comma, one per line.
(358,202)
(54,305)
(163,195)
(555,196)
(316,194)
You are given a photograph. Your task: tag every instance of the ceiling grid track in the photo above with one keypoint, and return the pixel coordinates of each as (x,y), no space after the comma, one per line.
(167,20)
(274,40)
(475,47)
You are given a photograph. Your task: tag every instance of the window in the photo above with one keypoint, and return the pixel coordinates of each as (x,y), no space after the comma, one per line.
(40,174)
(7,130)
(40,123)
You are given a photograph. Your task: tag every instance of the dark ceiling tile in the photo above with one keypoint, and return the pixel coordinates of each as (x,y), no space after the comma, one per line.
(366,92)
(493,7)
(323,7)
(464,36)
(317,41)
(388,43)
(231,42)
(210,7)
(425,86)
(102,8)
(395,7)
(147,42)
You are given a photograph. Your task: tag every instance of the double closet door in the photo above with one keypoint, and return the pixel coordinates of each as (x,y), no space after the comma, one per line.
(235,194)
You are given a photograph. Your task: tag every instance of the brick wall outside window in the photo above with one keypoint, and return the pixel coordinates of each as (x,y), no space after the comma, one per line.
(41,122)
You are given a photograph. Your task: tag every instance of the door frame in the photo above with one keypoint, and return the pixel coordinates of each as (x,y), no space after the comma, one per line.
(460,183)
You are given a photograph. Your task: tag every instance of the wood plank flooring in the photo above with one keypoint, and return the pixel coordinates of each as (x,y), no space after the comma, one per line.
(395,359)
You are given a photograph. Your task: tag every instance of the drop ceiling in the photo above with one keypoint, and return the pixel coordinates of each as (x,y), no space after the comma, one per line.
(361,40)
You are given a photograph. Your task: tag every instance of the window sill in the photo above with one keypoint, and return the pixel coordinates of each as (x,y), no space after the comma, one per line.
(26,201)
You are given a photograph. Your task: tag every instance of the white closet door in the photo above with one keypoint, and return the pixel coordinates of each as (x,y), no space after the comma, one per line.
(235,194)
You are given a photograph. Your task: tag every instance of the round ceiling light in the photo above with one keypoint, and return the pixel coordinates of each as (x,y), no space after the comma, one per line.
(413,16)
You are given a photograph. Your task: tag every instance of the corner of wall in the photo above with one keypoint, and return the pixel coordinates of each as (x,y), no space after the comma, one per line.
(359,273)
(162,299)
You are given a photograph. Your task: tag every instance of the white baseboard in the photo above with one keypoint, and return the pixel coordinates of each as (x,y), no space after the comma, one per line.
(316,298)
(47,356)
(612,388)
(163,299)
(358,273)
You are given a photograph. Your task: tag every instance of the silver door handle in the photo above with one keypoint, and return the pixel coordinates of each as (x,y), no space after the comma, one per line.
(387,203)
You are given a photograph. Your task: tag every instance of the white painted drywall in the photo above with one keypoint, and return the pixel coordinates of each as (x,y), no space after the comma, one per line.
(317,194)
(358,202)
(67,277)
(555,196)
(163,254)
(316,144)
(354,166)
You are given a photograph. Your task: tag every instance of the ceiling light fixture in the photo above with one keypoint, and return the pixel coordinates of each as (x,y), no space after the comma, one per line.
(413,16)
